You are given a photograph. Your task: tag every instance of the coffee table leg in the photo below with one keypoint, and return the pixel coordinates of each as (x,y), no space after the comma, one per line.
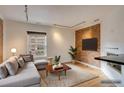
(65,72)
(59,75)
(46,73)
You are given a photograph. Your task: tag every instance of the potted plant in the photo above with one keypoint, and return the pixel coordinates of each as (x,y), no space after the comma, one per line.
(72,52)
(56,61)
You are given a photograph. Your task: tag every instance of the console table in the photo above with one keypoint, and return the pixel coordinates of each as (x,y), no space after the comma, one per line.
(119,59)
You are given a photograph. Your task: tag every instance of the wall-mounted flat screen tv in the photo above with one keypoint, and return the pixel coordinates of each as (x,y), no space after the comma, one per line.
(89,44)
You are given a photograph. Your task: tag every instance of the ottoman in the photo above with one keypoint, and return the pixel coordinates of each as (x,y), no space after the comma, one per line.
(41,64)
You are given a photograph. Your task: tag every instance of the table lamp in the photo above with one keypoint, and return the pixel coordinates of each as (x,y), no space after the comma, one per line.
(13,51)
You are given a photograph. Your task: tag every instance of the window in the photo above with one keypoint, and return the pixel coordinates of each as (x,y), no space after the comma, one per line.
(37,44)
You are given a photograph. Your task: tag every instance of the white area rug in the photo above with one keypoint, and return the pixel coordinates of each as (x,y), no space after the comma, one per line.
(74,76)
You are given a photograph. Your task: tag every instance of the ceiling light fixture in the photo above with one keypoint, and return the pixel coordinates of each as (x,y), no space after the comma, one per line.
(26,12)
(57,25)
(61,26)
(78,24)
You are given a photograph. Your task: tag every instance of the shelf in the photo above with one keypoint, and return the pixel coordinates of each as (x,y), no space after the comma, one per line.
(119,59)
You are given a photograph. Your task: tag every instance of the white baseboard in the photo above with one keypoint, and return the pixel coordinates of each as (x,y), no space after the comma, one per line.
(88,65)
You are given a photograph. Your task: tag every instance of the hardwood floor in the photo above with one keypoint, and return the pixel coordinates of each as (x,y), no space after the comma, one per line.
(95,82)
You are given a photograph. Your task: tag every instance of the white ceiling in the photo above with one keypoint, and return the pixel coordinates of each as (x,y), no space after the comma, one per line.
(69,15)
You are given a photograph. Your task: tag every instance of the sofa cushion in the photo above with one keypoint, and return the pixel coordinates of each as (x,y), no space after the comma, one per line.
(21,62)
(12,65)
(27,76)
(3,71)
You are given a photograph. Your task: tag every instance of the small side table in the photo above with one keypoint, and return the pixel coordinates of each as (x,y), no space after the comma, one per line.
(50,59)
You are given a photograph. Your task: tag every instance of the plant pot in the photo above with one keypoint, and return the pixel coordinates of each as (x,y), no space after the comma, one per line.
(54,66)
(59,64)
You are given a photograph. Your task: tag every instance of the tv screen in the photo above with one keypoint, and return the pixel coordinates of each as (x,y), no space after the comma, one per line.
(89,44)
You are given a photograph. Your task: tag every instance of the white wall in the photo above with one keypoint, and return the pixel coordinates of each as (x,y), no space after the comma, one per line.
(112,36)
(15,36)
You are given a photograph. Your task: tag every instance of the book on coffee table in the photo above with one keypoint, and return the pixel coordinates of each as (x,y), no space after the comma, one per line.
(58,67)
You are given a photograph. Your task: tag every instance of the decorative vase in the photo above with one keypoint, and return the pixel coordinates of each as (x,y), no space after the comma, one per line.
(59,64)
(54,66)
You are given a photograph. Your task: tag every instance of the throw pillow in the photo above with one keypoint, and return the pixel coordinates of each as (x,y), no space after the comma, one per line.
(21,62)
(3,71)
(12,66)
(27,57)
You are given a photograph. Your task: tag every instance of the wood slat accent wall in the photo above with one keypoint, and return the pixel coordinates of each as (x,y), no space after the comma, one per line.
(1,41)
(86,55)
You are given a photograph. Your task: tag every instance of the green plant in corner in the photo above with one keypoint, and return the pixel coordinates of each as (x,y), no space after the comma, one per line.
(72,52)
(57,60)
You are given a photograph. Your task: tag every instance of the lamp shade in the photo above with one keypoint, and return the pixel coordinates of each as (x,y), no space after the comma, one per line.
(13,50)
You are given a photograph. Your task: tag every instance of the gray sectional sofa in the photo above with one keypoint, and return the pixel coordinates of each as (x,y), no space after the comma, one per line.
(28,76)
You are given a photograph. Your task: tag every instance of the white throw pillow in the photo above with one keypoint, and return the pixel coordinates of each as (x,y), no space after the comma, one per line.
(12,66)
(21,62)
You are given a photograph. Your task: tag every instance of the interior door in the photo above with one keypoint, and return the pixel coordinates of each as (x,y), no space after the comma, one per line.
(1,41)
